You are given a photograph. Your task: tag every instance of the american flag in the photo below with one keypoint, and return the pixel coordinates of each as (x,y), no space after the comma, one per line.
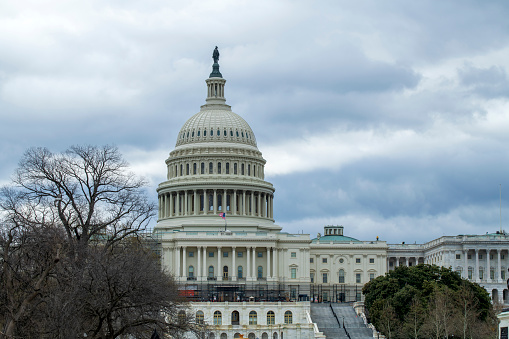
(223,215)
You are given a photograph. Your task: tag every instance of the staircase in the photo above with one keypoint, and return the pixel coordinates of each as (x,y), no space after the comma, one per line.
(330,319)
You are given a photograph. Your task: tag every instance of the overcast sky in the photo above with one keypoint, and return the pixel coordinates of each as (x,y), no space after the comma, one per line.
(390,118)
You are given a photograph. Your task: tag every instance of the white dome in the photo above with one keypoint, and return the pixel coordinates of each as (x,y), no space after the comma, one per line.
(216,125)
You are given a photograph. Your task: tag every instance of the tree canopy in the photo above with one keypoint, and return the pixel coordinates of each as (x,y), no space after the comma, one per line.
(429,301)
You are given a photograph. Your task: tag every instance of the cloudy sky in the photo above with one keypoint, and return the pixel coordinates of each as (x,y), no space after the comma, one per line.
(390,118)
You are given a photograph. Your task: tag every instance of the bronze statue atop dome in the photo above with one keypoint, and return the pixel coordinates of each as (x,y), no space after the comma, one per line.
(215,55)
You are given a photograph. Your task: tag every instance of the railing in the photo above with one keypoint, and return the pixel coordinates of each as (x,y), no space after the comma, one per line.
(336,316)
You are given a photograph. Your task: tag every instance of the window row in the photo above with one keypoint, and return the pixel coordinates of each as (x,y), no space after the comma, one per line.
(211,254)
(341,260)
(481,272)
(215,133)
(195,168)
(325,277)
(235,318)
(211,274)
(251,335)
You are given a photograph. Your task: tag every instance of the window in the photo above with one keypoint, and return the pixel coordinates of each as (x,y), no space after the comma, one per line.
(357,260)
(271,318)
(211,254)
(217,318)
(458,256)
(198,132)
(202,170)
(503,256)
(194,168)
(242,169)
(211,168)
(470,273)
(371,260)
(225,254)
(491,256)
(211,271)
(181,171)
(227,168)
(235,317)
(253,318)
(224,132)
(294,254)
(205,133)
(235,168)
(218,168)
(358,278)
(240,254)
(199,318)
(260,272)
(260,254)
(191,254)
(481,273)
(492,273)
(469,256)
(480,256)
(191,272)
(248,169)
(341,260)
(288,317)
(182,317)
(225,273)
(341,276)
(187,169)
(324,278)
(324,260)
(311,260)
(358,296)
(293,273)
(502,273)
(240,272)
(325,296)
(312,276)
(371,276)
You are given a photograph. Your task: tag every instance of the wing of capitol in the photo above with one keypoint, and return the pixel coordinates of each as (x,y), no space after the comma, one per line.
(244,276)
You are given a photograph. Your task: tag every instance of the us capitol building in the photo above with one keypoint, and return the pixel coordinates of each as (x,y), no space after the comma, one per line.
(246,277)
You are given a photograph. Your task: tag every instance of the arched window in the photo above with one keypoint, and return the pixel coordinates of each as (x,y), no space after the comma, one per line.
(192,134)
(237,133)
(211,336)
(202,168)
(341,276)
(227,168)
(191,272)
(235,318)
(223,336)
(218,168)
(253,318)
(260,272)
(248,169)
(271,318)
(181,170)
(211,202)
(224,132)
(194,168)
(199,318)
(265,335)
(239,272)
(198,132)
(182,317)
(242,169)
(274,335)
(218,133)
(211,271)
(225,273)
(187,169)
(204,133)
(211,132)
(211,168)
(231,133)
(218,320)
(288,317)
(235,168)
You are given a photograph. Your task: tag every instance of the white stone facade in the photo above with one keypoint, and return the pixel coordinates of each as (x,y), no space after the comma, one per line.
(219,239)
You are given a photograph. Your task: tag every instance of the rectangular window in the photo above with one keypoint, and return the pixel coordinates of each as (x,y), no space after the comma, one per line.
(191,254)
(371,260)
(312,276)
(371,276)
(311,260)
(503,256)
(293,272)
(469,273)
(225,254)
(294,254)
(240,254)
(391,264)
(357,260)
(358,278)
(491,256)
(481,274)
(211,254)
(458,256)
(324,260)
(469,256)
(502,274)
(492,274)
(480,256)
(260,254)
(324,278)
(358,296)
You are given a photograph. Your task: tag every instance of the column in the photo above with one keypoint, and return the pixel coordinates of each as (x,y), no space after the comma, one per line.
(259,205)
(219,268)
(248,253)
(234,212)
(165,208)
(252,204)
(186,203)
(204,273)
(253,266)
(196,202)
(406,261)
(234,268)
(184,262)
(171,204)
(268,263)
(499,266)
(177,273)
(397,261)
(271,197)
(215,202)
(243,202)
(177,204)
(488,268)
(274,263)
(159,207)
(476,275)
(465,269)
(223,203)
(199,270)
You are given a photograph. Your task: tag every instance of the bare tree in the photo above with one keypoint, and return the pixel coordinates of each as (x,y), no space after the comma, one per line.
(94,195)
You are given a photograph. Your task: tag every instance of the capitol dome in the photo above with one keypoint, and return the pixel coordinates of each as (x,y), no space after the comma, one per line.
(216,125)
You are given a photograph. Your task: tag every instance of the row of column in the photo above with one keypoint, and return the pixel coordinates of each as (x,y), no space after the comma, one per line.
(270,270)
(497,275)
(397,260)
(232,202)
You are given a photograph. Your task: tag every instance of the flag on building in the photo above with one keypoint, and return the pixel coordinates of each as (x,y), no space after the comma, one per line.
(223,215)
